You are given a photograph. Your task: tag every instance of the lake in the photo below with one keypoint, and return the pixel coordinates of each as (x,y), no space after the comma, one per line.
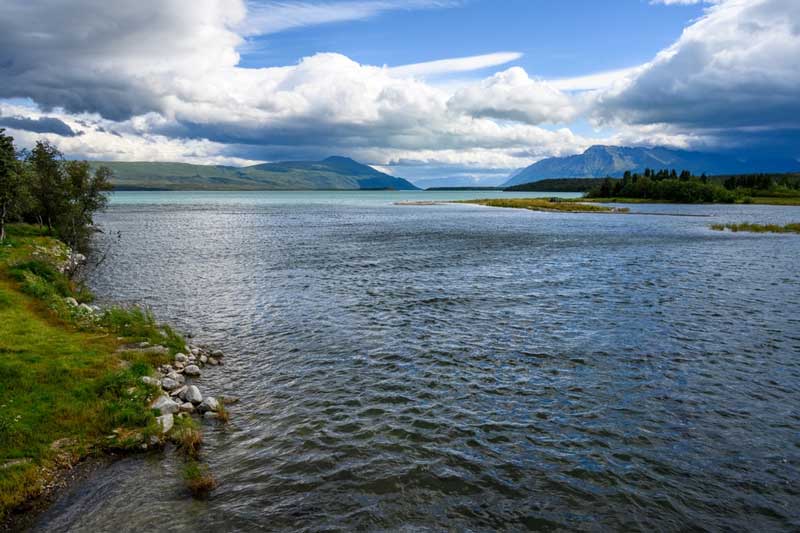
(457,367)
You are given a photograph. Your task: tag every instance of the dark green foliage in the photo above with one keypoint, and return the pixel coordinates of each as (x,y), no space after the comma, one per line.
(45,189)
(13,195)
(559,185)
(664,185)
(44,273)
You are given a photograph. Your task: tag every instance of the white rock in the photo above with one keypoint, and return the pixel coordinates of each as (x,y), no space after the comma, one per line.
(209,403)
(204,359)
(193,395)
(85,308)
(187,407)
(181,358)
(212,361)
(72,302)
(169,384)
(195,351)
(147,380)
(179,392)
(179,366)
(192,370)
(166,422)
(165,405)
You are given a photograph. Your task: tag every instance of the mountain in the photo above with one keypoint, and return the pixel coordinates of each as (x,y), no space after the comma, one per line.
(601,161)
(340,173)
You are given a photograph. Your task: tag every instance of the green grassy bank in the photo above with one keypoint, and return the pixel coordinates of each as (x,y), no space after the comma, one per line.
(66,392)
(545,204)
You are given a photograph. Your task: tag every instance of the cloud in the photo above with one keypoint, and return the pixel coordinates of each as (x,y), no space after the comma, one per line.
(459,64)
(158,81)
(513,95)
(738,67)
(38,125)
(267,17)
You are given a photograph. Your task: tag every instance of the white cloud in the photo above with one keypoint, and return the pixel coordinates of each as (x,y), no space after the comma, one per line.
(459,64)
(267,17)
(736,67)
(513,95)
(158,81)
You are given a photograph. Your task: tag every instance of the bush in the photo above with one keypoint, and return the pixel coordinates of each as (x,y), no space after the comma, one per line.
(41,279)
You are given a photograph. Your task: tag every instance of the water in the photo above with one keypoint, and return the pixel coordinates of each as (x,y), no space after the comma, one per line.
(457,367)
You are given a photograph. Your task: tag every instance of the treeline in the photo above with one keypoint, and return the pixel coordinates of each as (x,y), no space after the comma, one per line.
(558,185)
(762,182)
(41,187)
(664,185)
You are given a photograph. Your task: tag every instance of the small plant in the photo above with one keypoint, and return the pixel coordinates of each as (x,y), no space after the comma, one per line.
(222,413)
(198,479)
(758,228)
(186,434)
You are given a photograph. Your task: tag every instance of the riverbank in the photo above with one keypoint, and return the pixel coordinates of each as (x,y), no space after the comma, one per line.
(757,200)
(77,381)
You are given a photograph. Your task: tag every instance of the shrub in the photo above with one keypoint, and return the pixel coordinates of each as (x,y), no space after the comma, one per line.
(198,479)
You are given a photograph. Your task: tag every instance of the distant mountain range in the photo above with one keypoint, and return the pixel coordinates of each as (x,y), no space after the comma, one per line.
(601,161)
(339,173)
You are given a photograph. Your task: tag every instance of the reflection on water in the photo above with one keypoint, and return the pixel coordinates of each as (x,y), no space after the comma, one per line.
(466,368)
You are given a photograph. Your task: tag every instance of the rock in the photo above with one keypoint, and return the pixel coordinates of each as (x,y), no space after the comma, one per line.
(179,392)
(156,350)
(179,366)
(165,405)
(181,358)
(192,370)
(186,348)
(86,309)
(166,422)
(147,380)
(204,359)
(209,403)
(212,361)
(218,354)
(169,384)
(187,407)
(193,395)
(195,350)
(96,308)
(72,302)
(177,377)
(210,415)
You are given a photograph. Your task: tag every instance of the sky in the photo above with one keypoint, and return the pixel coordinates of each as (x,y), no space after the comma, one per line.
(437,91)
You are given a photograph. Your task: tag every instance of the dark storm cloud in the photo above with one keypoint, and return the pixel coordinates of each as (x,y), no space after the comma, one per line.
(38,125)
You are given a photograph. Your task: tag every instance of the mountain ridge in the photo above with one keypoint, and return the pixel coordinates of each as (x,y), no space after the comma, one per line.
(599,161)
(332,173)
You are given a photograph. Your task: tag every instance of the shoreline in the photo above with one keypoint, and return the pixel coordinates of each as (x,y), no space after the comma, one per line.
(126,386)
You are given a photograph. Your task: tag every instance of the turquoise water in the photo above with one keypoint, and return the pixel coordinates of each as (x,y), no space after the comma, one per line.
(312,197)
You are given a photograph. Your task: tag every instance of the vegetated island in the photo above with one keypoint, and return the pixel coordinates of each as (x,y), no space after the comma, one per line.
(76,380)
(545,204)
(748,227)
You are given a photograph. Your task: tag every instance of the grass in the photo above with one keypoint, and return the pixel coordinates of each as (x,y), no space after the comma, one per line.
(545,204)
(758,228)
(187,436)
(63,388)
(198,479)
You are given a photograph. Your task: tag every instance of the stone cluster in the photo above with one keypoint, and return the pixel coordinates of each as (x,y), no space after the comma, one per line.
(180,397)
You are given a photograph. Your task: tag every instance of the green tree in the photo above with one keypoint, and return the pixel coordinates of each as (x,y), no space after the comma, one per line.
(47,185)
(12,182)
(85,194)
